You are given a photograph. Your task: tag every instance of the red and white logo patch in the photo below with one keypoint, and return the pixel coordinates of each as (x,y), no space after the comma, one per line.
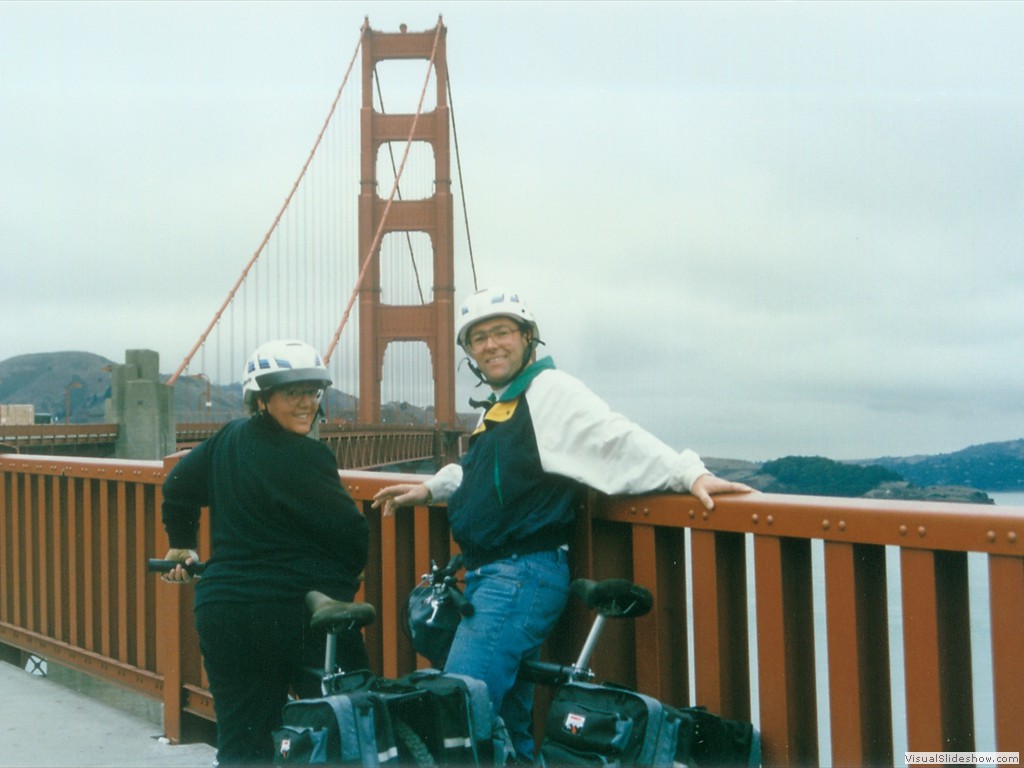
(574,723)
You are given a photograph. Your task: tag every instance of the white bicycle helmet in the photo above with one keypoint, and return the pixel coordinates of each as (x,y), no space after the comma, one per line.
(277,363)
(493,302)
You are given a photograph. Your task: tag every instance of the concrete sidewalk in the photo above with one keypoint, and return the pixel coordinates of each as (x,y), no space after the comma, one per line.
(45,723)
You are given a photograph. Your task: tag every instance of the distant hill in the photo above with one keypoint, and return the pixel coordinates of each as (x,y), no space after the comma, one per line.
(818,476)
(51,381)
(960,476)
(991,466)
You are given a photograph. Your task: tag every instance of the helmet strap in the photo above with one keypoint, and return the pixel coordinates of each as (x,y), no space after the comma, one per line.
(476,371)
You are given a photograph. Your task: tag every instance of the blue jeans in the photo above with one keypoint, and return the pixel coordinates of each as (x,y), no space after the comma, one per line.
(516,603)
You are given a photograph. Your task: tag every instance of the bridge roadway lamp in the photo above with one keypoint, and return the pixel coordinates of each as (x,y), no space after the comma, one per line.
(67,400)
(209,401)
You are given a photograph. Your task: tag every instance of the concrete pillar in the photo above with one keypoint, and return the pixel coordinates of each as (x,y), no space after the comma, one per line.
(142,407)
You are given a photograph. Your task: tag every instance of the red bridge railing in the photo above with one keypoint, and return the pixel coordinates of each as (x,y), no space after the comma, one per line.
(355,446)
(50,438)
(739,596)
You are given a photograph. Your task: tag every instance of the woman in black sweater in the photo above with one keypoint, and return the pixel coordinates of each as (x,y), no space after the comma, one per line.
(281,524)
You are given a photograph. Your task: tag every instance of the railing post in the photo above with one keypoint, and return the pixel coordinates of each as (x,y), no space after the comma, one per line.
(177,652)
(659,563)
(722,661)
(937,650)
(858,654)
(392,552)
(1006,598)
(169,644)
(785,639)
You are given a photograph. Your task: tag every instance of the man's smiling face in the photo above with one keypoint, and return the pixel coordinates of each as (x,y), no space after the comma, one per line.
(498,347)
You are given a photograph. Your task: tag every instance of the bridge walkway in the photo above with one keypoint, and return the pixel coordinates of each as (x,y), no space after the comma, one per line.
(45,721)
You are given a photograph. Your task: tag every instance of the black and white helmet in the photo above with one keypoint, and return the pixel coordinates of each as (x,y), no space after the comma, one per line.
(277,363)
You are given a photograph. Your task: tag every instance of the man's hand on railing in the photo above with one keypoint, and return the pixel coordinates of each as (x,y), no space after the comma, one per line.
(706,486)
(402,495)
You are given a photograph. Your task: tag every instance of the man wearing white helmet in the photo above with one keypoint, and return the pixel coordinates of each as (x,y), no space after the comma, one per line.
(281,524)
(511,498)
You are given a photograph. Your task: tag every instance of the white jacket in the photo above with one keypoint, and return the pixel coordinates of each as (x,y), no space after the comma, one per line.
(580,437)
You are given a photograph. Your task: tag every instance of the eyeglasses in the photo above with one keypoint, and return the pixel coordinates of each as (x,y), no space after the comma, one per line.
(478,340)
(296,392)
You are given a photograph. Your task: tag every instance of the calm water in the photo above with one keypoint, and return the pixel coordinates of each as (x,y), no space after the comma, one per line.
(980,645)
(1007,499)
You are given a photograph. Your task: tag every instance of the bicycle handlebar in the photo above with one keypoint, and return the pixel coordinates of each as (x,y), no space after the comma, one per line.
(549,673)
(438,575)
(444,584)
(155,565)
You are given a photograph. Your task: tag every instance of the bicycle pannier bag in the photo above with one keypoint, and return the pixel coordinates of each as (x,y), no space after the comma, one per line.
(590,724)
(344,729)
(717,741)
(461,728)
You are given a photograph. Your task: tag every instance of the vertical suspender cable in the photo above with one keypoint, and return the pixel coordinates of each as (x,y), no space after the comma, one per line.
(255,256)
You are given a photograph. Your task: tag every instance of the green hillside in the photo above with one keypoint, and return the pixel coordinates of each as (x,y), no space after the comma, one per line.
(992,467)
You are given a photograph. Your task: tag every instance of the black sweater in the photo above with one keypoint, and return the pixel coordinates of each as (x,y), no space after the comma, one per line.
(281,522)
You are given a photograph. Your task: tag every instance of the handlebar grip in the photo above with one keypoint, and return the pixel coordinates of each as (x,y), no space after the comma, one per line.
(163,566)
(545,672)
(461,601)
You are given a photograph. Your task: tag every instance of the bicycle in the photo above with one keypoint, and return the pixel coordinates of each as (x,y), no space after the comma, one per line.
(599,716)
(332,616)
(442,604)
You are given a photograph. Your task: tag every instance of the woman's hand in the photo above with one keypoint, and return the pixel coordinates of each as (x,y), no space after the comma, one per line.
(179,575)
(402,495)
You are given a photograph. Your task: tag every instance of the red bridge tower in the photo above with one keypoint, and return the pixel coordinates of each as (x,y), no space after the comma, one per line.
(432,321)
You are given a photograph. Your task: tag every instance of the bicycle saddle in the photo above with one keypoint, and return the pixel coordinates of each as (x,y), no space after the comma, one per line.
(330,614)
(614,598)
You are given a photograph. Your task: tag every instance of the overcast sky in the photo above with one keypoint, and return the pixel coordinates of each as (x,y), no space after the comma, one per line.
(758,229)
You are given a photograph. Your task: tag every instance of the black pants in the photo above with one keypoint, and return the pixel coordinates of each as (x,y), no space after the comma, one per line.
(253,654)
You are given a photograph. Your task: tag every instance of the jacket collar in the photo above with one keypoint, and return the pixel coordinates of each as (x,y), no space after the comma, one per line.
(520,383)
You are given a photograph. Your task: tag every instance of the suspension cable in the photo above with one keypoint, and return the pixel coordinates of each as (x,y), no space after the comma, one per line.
(245,271)
(387,208)
(462,191)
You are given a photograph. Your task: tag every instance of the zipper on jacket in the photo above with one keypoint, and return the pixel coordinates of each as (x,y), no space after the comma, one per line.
(497,476)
